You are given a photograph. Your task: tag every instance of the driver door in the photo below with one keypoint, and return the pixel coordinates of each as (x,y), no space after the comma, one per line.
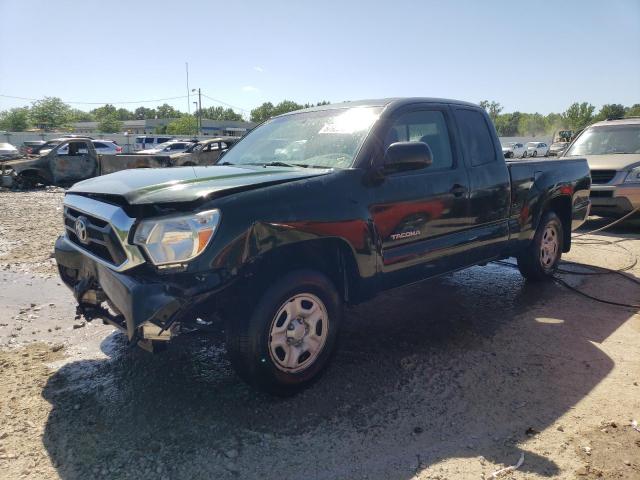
(421,216)
(72,161)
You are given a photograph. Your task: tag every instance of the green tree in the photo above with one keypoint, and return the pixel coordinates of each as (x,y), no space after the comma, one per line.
(531,124)
(110,124)
(261,113)
(49,113)
(77,115)
(553,122)
(124,114)
(144,113)
(632,111)
(578,115)
(492,108)
(185,125)
(105,111)
(167,111)
(286,106)
(611,110)
(14,120)
(219,113)
(507,124)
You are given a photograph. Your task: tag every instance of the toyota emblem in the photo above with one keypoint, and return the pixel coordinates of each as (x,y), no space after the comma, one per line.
(81,229)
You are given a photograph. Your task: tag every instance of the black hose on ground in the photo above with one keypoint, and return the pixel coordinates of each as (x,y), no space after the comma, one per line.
(602,270)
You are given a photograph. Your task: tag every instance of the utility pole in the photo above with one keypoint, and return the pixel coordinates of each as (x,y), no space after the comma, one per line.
(199,110)
(186,65)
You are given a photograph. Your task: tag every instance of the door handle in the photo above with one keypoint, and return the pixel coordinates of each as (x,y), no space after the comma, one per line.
(458,190)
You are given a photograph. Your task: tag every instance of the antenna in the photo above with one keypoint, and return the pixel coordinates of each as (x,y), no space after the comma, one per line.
(186,65)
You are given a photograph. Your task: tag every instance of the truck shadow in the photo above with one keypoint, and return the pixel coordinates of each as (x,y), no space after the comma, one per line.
(458,367)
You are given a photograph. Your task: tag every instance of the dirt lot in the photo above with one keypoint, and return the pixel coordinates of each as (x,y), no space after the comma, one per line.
(451,379)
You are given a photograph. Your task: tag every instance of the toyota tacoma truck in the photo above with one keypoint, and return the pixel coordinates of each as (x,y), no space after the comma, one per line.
(310,211)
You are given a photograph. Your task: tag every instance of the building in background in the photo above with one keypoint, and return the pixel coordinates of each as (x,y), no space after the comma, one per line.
(140,127)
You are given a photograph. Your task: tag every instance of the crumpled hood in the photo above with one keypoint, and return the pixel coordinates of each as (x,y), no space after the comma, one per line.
(611,162)
(186,184)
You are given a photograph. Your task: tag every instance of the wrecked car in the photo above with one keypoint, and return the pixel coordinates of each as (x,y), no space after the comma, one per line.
(311,211)
(69,161)
(205,152)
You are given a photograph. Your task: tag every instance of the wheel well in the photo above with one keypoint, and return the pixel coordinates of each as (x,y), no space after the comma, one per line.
(561,206)
(331,256)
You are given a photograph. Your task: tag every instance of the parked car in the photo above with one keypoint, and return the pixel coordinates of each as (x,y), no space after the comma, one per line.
(8,151)
(612,148)
(384,193)
(557,148)
(144,142)
(31,147)
(537,149)
(169,148)
(103,147)
(514,150)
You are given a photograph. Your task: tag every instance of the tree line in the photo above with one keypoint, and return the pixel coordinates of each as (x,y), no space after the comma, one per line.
(51,113)
(576,117)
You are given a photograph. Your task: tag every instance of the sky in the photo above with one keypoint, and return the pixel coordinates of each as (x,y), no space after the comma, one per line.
(531,56)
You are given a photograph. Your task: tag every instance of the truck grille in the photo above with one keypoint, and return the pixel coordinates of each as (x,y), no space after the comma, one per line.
(101,239)
(602,176)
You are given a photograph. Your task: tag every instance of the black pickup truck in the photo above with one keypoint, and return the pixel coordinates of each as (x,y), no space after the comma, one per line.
(310,211)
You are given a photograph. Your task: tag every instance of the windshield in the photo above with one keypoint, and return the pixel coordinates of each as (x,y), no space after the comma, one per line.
(327,138)
(607,140)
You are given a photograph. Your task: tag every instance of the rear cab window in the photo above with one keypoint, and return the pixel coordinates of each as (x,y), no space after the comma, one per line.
(476,138)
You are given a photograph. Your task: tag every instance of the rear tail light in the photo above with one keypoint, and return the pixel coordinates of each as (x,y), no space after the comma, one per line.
(118,149)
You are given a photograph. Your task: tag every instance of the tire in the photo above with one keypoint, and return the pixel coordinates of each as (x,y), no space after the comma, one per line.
(524,154)
(541,258)
(535,153)
(276,347)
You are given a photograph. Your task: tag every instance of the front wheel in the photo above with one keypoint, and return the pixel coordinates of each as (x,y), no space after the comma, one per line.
(524,154)
(539,261)
(535,153)
(287,341)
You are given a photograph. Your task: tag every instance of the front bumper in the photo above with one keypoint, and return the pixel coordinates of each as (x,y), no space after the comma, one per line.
(616,200)
(141,300)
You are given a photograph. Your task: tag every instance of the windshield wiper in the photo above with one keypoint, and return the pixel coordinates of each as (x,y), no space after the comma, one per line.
(281,164)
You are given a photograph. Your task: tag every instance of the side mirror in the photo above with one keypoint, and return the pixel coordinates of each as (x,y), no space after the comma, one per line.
(407,156)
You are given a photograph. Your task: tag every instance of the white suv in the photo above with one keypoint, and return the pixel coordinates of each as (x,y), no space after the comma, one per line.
(145,142)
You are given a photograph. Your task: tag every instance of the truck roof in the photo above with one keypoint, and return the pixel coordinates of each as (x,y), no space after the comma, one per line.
(384,102)
(618,121)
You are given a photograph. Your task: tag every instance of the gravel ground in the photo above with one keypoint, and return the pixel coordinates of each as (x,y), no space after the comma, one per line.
(454,378)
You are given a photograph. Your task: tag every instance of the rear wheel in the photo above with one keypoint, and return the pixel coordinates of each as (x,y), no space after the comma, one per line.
(287,341)
(540,259)
(524,154)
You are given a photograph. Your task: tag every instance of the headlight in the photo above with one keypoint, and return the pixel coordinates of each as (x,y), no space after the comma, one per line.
(633,176)
(176,239)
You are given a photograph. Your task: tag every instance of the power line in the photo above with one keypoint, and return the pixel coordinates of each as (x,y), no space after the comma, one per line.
(130,101)
(99,103)
(224,103)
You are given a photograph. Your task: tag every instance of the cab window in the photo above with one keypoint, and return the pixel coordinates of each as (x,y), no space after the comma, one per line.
(476,138)
(428,126)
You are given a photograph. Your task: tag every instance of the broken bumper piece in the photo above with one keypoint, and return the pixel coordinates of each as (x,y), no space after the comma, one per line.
(144,310)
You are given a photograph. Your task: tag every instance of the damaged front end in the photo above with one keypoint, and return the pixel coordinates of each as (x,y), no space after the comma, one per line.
(112,281)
